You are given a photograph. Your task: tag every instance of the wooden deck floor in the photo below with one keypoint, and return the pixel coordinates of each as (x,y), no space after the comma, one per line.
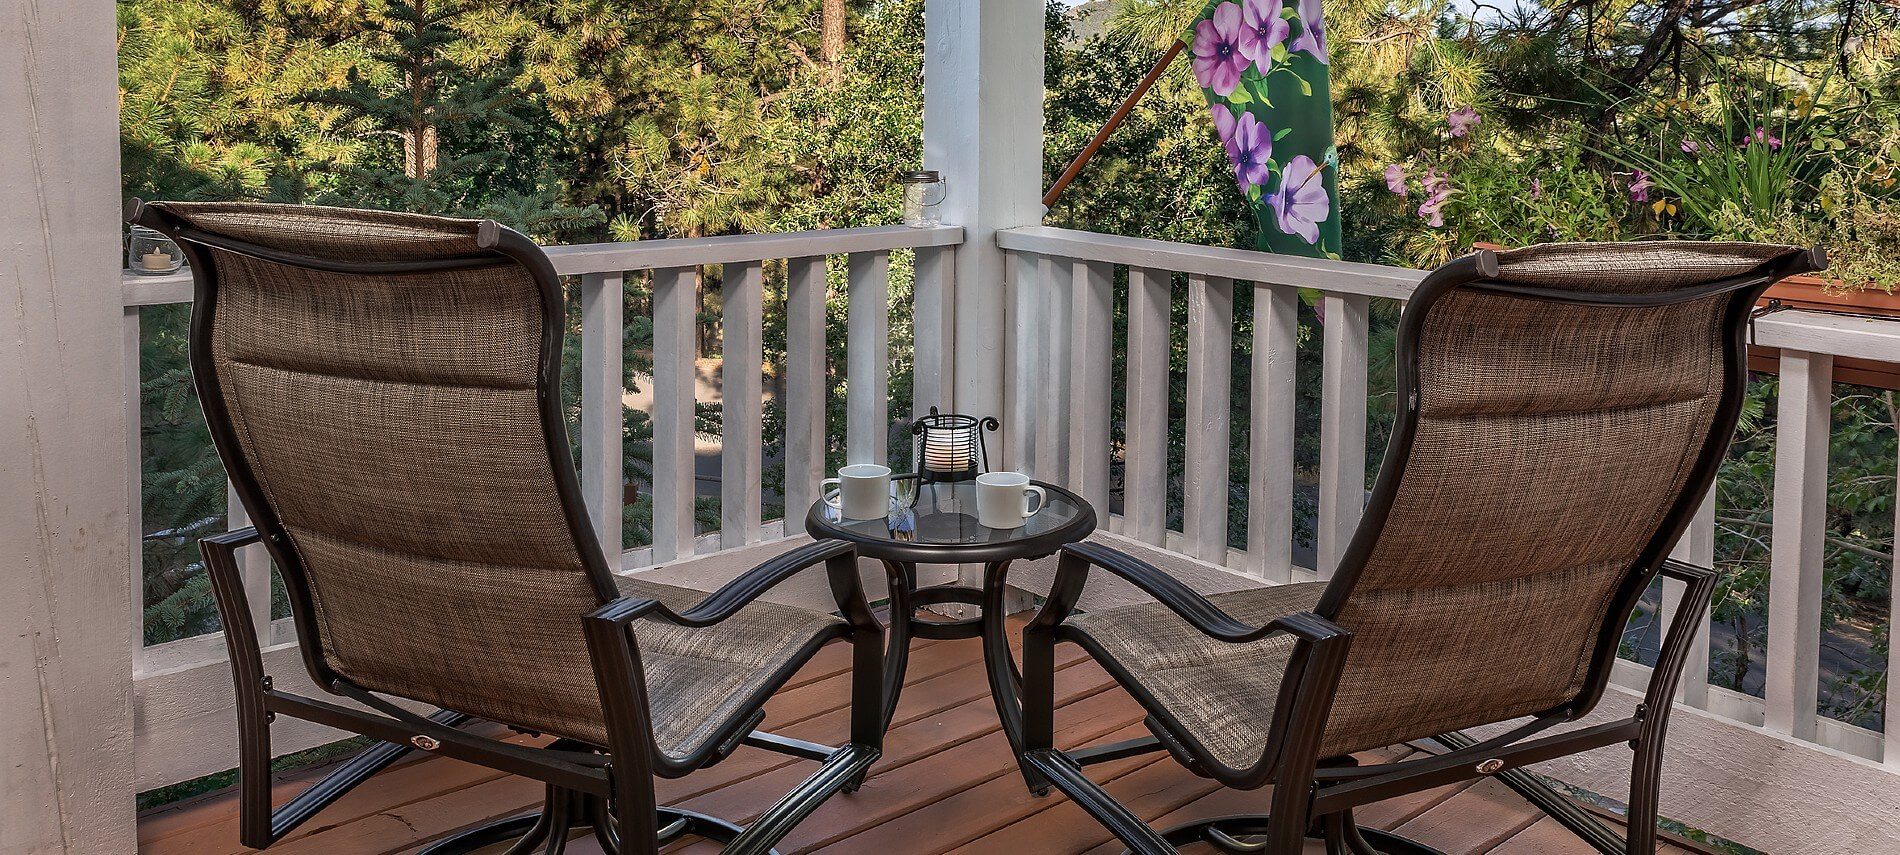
(946,784)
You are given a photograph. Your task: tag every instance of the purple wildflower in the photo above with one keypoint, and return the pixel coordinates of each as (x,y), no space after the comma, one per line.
(1537,188)
(1437,192)
(1395,179)
(1218,61)
(1639,188)
(1262,27)
(1251,152)
(1301,203)
(1462,120)
(1761,136)
(1690,146)
(1312,31)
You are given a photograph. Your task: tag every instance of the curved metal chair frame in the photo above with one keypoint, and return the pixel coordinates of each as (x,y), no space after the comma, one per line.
(1315,796)
(606,789)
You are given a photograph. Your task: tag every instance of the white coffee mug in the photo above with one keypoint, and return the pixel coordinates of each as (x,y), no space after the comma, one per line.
(864,491)
(1002,499)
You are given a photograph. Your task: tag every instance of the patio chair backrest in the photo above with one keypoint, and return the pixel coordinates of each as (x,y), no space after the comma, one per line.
(383,390)
(1563,417)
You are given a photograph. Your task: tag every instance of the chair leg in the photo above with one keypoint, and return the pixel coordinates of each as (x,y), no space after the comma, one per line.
(1645,782)
(846,764)
(1056,767)
(254,777)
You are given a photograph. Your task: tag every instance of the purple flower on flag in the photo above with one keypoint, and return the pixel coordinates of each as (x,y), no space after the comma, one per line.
(1312,31)
(1262,27)
(1462,120)
(1301,204)
(1218,61)
(1395,179)
(1251,152)
(1639,188)
(1224,126)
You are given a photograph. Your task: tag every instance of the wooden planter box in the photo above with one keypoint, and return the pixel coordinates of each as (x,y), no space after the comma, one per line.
(1810,293)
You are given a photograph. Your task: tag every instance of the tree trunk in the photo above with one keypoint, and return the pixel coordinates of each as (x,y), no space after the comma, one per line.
(832,49)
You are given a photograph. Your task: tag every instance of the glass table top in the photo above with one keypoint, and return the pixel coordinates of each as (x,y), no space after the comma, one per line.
(945,515)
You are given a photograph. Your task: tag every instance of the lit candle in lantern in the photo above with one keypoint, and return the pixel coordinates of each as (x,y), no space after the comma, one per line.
(941,453)
(156,260)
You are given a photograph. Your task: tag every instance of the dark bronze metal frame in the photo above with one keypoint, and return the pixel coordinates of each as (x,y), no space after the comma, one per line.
(1314,795)
(607,789)
(991,624)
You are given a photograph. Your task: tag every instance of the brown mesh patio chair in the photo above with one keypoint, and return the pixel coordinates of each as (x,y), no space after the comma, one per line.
(1565,408)
(383,390)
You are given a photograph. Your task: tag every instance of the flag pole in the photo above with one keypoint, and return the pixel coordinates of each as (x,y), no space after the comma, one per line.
(1114,121)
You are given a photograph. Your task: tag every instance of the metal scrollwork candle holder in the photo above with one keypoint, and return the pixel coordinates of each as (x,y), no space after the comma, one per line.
(949,447)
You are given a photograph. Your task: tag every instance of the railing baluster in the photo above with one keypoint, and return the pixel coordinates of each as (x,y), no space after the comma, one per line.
(603,388)
(740,388)
(1892,746)
(675,373)
(1795,548)
(1276,329)
(1696,547)
(933,321)
(1210,347)
(1342,444)
(1057,277)
(1089,368)
(1023,362)
(254,566)
(1145,459)
(135,453)
(868,357)
(805,386)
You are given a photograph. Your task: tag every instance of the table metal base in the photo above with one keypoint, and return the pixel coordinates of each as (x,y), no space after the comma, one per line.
(991,625)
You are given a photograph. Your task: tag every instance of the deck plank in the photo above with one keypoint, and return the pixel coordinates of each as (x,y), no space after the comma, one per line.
(947,783)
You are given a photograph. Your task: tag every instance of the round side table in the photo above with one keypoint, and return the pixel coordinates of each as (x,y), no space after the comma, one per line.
(941,528)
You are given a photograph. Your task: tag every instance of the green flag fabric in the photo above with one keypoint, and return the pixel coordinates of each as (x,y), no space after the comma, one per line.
(1263,67)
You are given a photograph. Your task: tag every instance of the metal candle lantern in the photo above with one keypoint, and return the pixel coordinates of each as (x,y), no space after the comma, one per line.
(948,447)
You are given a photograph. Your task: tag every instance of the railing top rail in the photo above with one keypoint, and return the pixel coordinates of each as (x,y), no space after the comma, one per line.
(1260,268)
(1824,332)
(580,259)
(733,249)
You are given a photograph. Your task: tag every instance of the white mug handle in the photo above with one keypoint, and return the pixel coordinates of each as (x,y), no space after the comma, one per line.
(833,499)
(1042,500)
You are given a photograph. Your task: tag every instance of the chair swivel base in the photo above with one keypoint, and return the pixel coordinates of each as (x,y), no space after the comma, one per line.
(538,831)
(1227,834)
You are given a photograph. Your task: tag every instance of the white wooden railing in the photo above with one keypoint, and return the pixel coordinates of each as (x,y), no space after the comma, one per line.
(1061,400)
(183,720)
(1771,772)
(1730,753)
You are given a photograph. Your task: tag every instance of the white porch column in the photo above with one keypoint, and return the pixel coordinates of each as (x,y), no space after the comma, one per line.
(983,131)
(65,645)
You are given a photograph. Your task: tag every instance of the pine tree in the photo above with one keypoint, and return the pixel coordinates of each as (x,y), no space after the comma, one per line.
(463,131)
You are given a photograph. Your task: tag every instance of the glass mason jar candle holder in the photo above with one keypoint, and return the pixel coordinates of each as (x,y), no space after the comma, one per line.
(151,253)
(923,198)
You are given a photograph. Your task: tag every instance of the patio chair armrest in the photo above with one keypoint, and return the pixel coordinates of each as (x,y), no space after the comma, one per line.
(1072,572)
(1683,571)
(1685,625)
(839,558)
(227,583)
(622,681)
(234,538)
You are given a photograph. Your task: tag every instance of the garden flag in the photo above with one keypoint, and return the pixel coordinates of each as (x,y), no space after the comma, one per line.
(1263,67)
